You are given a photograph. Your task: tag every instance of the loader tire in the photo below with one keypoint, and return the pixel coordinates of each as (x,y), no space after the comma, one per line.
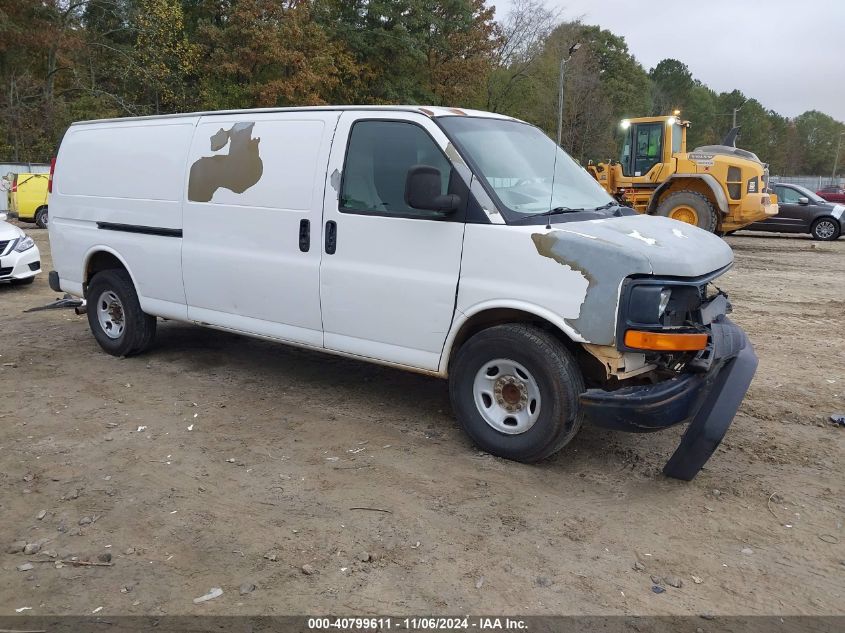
(690,207)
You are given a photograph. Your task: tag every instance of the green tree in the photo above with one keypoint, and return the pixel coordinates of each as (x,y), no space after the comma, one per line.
(414,51)
(700,109)
(672,83)
(818,137)
(164,56)
(603,84)
(263,53)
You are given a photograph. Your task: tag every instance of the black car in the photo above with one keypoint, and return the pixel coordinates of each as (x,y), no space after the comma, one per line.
(802,211)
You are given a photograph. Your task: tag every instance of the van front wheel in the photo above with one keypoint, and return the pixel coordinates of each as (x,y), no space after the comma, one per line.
(115,316)
(515,389)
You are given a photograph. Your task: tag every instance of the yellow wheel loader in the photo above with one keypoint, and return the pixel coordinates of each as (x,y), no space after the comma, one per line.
(719,188)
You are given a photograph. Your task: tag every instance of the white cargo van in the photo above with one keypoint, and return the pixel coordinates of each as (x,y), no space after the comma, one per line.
(458,243)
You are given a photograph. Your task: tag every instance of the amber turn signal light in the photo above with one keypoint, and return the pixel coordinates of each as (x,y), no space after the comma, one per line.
(664,342)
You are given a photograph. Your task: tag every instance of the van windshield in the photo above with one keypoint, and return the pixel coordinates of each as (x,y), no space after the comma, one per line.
(518,162)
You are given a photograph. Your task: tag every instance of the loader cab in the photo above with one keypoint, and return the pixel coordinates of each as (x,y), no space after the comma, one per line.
(650,141)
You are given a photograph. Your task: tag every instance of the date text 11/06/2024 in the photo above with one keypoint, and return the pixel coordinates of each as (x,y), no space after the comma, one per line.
(417,624)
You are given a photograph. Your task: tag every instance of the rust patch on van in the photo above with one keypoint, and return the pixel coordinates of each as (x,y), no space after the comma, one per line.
(604,265)
(236,171)
(544,244)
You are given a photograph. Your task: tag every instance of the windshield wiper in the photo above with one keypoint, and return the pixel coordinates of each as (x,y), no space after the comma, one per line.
(555,211)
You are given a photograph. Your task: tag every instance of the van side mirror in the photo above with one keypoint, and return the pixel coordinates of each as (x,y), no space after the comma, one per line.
(803,201)
(422,190)
(3,216)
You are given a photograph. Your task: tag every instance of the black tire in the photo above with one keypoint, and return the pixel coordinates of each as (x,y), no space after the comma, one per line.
(825,229)
(138,327)
(42,217)
(23,282)
(556,374)
(707,217)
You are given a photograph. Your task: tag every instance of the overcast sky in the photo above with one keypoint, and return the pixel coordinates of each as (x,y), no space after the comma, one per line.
(787,54)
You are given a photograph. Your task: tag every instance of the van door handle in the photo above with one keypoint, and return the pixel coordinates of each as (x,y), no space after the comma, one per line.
(304,235)
(331,237)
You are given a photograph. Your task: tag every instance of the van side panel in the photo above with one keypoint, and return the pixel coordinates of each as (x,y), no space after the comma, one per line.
(253,214)
(523,279)
(118,187)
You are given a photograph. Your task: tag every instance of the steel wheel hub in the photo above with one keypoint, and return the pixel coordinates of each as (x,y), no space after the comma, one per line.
(507,396)
(110,314)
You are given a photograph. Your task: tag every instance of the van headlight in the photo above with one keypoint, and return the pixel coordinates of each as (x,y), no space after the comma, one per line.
(24,244)
(648,303)
(665,296)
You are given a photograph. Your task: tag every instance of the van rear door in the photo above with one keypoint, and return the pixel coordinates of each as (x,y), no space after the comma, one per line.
(389,273)
(253,196)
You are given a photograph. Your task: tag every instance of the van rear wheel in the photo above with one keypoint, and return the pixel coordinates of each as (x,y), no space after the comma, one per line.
(690,207)
(115,316)
(515,390)
(41,217)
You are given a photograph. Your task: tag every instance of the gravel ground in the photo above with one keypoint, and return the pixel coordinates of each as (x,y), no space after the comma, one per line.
(331,485)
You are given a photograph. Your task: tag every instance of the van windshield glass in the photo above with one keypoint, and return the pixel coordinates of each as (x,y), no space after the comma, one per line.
(518,162)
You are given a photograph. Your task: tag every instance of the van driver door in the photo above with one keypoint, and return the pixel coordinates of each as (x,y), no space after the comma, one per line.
(389,272)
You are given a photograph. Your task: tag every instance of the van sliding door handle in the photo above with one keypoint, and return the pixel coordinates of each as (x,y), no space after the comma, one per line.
(304,235)
(331,237)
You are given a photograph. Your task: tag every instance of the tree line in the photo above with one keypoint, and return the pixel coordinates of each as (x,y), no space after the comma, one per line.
(67,60)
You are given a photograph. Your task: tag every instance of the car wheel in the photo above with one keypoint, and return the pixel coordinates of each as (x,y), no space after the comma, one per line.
(23,282)
(690,207)
(41,217)
(825,229)
(515,391)
(115,316)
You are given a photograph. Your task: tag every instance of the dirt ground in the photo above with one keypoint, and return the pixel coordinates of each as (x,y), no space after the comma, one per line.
(216,460)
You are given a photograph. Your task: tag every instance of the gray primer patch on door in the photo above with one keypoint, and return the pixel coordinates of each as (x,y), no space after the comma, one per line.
(236,171)
(604,265)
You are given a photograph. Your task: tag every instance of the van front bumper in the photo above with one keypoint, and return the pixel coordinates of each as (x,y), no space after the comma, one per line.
(708,401)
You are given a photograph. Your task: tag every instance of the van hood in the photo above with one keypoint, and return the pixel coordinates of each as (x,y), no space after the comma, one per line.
(651,244)
(606,251)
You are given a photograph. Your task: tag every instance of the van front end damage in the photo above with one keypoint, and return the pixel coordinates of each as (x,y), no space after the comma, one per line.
(703,388)
(708,401)
(671,356)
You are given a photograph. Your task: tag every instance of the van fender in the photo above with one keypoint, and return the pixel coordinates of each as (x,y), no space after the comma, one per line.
(708,179)
(101,248)
(462,317)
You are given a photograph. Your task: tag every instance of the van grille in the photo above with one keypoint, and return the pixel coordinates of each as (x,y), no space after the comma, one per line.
(5,271)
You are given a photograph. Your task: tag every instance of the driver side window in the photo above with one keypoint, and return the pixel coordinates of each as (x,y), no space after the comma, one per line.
(378,158)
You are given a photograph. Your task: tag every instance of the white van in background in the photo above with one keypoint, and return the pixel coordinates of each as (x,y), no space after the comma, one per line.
(457,243)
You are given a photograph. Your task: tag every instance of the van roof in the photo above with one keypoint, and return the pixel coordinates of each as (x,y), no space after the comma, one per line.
(431,111)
